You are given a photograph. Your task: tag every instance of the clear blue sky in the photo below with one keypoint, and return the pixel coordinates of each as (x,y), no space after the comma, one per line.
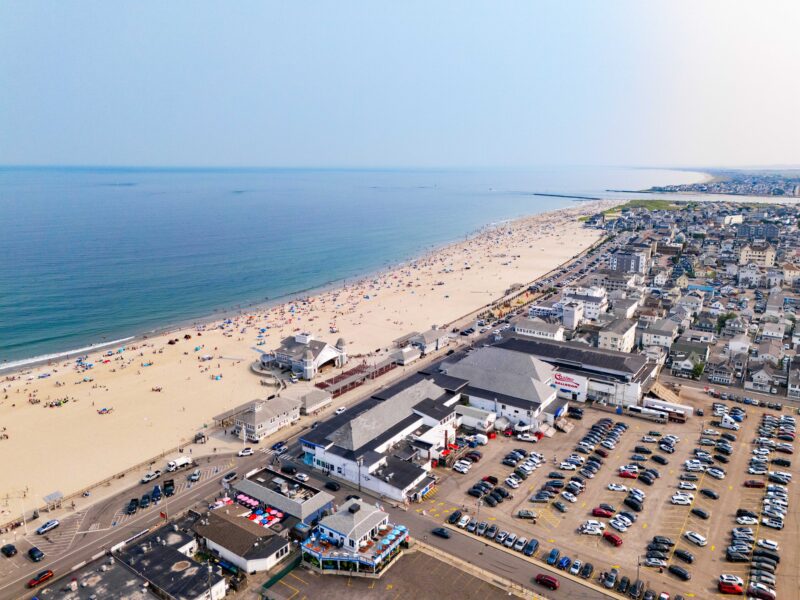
(399,83)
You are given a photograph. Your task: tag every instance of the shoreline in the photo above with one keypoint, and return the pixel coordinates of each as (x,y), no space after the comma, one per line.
(16,366)
(113,405)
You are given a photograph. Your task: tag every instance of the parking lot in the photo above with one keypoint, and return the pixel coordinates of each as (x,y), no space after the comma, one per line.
(415,576)
(554,529)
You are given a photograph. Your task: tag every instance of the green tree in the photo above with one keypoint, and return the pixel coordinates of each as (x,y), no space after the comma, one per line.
(698,370)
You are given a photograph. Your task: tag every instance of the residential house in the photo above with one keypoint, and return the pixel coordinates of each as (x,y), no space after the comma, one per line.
(734,326)
(687,366)
(619,335)
(761,254)
(773,331)
(430,341)
(720,370)
(705,322)
(761,380)
(261,418)
(661,333)
(770,352)
(739,344)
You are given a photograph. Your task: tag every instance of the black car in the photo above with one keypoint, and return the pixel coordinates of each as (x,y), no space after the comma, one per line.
(684,555)
(653,547)
(699,512)
(660,459)
(636,590)
(623,584)
(133,506)
(587,570)
(736,557)
(8,550)
(781,462)
(502,491)
(721,458)
(476,492)
(441,532)
(35,554)
(689,477)
(633,504)
(709,493)
(746,513)
(680,572)
(490,500)
(333,486)
(555,475)
(729,436)
(454,517)
(554,484)
(646,479)
(655,554)
(660,539)
(560,506)
(628,515)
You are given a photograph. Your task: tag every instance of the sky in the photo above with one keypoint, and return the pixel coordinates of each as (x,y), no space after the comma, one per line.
(686,83)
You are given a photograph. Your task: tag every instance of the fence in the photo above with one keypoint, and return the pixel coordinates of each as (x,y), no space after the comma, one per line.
(280,575)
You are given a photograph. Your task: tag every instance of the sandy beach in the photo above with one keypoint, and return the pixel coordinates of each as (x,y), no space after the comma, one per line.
(112,417)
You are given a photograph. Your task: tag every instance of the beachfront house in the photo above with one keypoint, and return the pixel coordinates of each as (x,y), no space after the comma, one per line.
(264,417)
(305,356)
(430,341)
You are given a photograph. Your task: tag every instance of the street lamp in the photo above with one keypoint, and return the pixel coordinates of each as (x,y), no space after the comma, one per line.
(638,566)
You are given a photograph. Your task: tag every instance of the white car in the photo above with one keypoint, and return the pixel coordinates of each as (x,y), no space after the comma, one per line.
(757,471)
(680,501)
(685,485)
(568,497)
(151,475)
(565,466)
(340,410)
(592,523)
(245,452)
(710,432)
(301,477)
(647,439)
(526,437)
(716,473)
(618,525)
(617,487)
(591,531)
(624,519)
(463,521)
(768,544)
(460,468)
(695,538)
(761,451)
(49,526)
(746,521)
(512,483)
(732,579)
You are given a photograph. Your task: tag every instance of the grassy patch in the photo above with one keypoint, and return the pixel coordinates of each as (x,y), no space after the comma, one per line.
(648,204)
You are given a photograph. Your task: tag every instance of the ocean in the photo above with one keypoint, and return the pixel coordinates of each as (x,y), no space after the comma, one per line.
(91,255)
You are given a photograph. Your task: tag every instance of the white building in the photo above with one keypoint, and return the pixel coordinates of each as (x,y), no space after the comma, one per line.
(773,331)
(234,538)
(538,328)
(264,417)
(619,335)
(430,341)
(573,315)
(661,333)
(595,300)
(305,356)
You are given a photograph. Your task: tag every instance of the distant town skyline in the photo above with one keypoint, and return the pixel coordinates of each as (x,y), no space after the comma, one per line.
(416,84)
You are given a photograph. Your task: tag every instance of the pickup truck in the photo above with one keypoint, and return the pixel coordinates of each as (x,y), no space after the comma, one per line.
(169,487)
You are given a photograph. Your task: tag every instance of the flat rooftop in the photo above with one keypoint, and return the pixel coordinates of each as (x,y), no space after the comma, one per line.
(116,582)
(283,485)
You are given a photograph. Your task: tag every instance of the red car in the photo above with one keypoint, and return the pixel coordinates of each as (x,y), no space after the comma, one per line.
(508,432)
(754,483)
(627,475)
(613,538)
(601,512)
(547,581)
(40,578)
(729,588)
(602,452)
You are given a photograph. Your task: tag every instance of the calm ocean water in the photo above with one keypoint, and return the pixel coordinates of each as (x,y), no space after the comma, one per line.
(93,255)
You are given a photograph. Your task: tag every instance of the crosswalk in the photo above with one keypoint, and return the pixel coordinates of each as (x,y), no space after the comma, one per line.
(57,541)
(121,516)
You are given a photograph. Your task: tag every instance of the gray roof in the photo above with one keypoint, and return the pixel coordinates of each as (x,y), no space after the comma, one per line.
(303,501)
(578,355)
(239,535)
(537,325)
(179,576)
(296,350)
(261,411)
(505,373)
(359,430)
(619,326)
(116,582)
(354,525)
(430,336)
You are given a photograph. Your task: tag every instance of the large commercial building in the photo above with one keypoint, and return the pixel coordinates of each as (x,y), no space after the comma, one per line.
(585,373)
